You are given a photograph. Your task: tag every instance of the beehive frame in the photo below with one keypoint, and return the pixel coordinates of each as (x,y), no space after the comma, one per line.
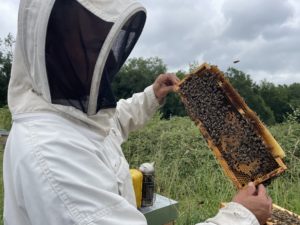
(242,111)
(272,220)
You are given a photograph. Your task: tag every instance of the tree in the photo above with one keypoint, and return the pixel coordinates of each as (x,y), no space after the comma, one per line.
(6,56)
(277,98)
(250,92)
(137,74)
(294,95)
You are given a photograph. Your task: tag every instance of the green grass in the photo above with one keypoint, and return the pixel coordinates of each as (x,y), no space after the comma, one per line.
(187,171)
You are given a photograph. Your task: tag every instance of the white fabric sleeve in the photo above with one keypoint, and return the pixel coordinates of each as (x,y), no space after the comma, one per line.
(133,113)
(232,214)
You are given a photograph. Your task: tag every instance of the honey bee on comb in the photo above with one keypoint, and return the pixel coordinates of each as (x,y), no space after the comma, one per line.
(281,216)
(242,144)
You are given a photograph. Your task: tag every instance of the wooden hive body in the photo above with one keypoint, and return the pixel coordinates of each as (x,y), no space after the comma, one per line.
(242,144)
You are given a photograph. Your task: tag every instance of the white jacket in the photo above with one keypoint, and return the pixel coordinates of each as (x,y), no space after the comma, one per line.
(59,171)
(63,166)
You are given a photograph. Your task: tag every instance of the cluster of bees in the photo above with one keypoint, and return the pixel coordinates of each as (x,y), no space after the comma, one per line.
(280,217)
(233,134)
(246,151)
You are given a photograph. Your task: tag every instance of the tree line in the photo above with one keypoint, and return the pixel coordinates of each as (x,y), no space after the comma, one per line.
(273,103)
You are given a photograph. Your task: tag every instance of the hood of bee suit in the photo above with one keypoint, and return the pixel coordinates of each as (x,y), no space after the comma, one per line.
(67,53)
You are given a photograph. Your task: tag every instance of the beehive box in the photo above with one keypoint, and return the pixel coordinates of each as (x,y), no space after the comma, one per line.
(242,144)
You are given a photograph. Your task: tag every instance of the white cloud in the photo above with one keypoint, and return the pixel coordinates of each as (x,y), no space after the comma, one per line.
(263,35)
(8,17)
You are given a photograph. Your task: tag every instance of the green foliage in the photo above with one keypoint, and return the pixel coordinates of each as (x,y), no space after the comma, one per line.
(5,118)
(186,170)
(250,92)
(272,103)
(294,95)
(277,98)
(294,117)
(137,74)
(285,190)
(6,50)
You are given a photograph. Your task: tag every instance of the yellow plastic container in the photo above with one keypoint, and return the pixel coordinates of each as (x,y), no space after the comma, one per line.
(137,181)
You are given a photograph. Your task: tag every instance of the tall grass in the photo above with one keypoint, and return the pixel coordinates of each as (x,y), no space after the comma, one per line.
(186,170)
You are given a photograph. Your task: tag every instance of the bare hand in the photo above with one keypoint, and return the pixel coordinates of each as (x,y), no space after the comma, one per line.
(164,84)
(257,201)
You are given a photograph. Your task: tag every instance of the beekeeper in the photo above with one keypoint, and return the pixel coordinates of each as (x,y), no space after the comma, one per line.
(63,164)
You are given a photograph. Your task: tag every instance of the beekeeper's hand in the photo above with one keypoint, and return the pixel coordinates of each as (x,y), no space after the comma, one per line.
(257,201)
(164,84)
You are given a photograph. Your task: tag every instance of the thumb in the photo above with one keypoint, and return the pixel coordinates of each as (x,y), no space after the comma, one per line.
(251,189)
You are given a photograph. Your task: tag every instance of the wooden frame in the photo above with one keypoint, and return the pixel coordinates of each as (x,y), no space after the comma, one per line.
(237,102)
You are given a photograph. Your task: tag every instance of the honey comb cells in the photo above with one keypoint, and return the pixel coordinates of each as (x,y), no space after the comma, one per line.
(233,136)
(283,217)
(279,216)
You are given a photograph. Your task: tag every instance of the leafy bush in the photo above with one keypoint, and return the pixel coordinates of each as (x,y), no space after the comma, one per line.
(294,117)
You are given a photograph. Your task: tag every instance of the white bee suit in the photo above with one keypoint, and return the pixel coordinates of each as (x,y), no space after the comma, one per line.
(63,164)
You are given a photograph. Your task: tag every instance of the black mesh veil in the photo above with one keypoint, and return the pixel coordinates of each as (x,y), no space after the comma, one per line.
(74,40)
(121,49)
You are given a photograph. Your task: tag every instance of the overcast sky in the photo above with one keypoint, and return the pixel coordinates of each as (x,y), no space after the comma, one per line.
(263,34)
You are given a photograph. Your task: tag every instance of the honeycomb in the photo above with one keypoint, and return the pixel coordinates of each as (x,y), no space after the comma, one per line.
(281,216)
(242,144)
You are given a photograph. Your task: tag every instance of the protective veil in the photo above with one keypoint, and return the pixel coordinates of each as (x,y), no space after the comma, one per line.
(63,163)
(68,52)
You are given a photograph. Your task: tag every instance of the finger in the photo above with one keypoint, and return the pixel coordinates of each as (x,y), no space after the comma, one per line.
(173,78)
(262,191)
(165,79)
(270,203)
(251,189)
(167,89)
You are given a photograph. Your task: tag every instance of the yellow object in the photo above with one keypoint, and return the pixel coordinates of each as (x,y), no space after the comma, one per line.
(137,181)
